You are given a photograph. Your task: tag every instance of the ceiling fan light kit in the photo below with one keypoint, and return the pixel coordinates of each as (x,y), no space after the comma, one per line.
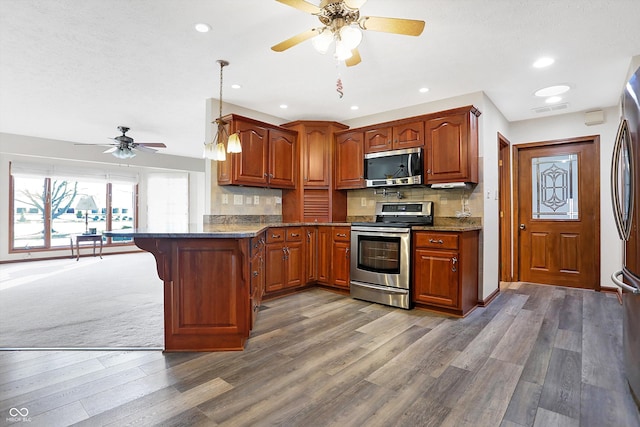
(343,26)
(215,150)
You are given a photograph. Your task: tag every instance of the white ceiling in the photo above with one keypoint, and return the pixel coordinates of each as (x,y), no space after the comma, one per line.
(76,69)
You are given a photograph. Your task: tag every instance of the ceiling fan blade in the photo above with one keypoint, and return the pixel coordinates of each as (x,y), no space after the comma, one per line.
(407,27)
(355,4)
(151,144)
(355,58)
(110,150)
(301,5)
(143,148)
(282,46)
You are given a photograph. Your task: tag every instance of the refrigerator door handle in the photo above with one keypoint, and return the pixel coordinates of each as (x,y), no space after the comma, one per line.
(622,146)
(623,285)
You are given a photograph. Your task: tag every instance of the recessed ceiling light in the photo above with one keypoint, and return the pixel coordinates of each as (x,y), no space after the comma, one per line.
(235,86)
(552,91)
(355,107)
(553,99)
(284,106)
(203,28)
(543,62)
(423,90)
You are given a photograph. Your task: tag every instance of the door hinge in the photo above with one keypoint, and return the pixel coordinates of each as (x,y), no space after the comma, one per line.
(500,162)
(501,214)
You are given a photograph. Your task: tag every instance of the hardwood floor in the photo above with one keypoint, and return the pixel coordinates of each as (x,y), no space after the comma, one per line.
(536,356)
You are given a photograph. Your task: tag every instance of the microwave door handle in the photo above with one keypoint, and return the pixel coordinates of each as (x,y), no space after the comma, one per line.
(410,165)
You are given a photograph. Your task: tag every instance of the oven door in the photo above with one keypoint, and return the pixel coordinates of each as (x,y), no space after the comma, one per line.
(380,256)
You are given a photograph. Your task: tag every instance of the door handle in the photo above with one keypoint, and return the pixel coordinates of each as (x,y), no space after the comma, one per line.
(523,227)
(454,262)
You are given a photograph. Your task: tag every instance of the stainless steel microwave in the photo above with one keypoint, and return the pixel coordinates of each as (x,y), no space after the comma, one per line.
(395,167)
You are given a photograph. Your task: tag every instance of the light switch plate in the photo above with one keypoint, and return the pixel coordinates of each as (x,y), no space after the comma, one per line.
(278,200)
(256,200)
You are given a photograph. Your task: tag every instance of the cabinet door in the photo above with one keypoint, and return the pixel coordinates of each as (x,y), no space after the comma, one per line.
(324,254)
(311,254)
(283,158)
(377,140)
(340,255)
(435,277)
(250,166)
(294,264)
(408,135)
(316,157)
(447,142)
(349,161)
(275,267)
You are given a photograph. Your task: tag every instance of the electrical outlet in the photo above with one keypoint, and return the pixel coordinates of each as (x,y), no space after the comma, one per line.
(363,201)
(237,199)
(225,199)
(248,200)
(278,200)
(256,200)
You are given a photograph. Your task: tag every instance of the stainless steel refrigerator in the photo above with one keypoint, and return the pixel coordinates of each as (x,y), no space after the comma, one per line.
(625,194)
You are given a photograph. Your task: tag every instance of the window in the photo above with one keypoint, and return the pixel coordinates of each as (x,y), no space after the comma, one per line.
(49,208)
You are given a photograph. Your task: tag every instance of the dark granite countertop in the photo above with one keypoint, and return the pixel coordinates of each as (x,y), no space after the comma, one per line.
(244,230)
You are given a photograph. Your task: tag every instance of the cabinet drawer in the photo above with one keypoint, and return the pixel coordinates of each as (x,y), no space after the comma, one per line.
(294,234)
(436,240)
(275,235)
(342,234)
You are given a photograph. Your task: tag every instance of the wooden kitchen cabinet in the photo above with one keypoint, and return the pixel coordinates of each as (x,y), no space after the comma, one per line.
(257,272)
(325,241)
(269,155)
(451,140)
(396,137)
(349,171)
(445,271)
(284,258)
(314,199)
(341,257)
(311,254)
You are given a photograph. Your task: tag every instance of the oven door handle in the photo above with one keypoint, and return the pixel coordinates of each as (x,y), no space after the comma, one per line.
(382,231)
(386,289)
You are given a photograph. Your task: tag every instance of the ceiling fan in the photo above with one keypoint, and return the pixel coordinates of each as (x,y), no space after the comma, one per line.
(342,23)
(124,145)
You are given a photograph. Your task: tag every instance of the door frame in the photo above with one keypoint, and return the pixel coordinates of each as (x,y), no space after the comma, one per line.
(594,139)
(504,210)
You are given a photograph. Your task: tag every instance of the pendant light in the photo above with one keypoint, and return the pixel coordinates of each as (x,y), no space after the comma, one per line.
(215,150)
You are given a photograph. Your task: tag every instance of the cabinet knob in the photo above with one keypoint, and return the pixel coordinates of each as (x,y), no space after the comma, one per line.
(255,274)
(346,253)
(429,171)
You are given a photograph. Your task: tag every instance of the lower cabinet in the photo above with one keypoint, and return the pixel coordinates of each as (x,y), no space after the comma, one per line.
(340,257)
(445,271)
(285,260)
(257,274)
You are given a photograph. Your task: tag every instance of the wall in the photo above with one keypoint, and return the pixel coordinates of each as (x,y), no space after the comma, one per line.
(572,125)
(39,150)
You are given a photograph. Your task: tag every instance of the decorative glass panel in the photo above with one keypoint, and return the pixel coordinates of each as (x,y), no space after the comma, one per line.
(554,183)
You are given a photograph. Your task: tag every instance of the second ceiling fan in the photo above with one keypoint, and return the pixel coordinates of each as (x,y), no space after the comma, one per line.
(342,25)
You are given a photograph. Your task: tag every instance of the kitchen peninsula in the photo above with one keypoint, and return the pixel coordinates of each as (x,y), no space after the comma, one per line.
(214,274)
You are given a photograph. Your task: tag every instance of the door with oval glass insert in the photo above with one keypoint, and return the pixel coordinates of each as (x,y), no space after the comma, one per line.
(558,212)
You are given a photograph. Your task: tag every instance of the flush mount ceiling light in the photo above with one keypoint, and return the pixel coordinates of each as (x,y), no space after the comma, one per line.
(553,99)
(543,62)
(202,27)
(215,149)
(552,91)
(423,90)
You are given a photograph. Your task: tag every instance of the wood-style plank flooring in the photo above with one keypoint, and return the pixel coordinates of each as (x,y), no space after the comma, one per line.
(536,356)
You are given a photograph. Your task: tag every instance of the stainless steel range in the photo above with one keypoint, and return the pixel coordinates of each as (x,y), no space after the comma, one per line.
(381,252)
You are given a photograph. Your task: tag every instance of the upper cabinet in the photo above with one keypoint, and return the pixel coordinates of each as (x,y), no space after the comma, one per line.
(349,171)
(396,137)
(314,199)
(451,140)
(269,155)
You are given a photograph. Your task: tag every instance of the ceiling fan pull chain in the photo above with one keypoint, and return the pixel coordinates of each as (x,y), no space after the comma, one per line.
(339,87)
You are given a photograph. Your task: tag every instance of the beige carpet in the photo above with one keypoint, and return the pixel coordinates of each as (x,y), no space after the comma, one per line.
(114,302)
